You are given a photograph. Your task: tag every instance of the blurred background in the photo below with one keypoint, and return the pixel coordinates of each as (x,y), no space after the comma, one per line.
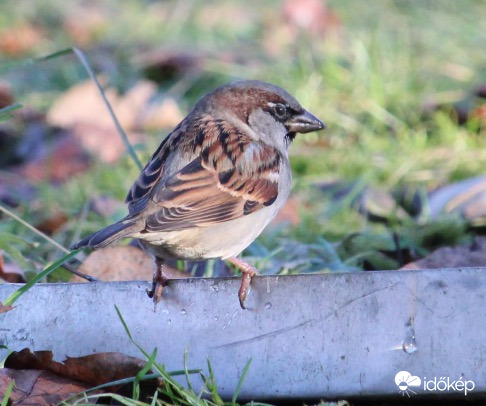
(397,174)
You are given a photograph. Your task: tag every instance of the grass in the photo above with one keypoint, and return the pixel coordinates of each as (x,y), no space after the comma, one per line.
(371,78)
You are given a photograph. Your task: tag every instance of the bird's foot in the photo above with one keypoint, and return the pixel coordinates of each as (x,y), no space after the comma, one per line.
(249,272)
(159,281)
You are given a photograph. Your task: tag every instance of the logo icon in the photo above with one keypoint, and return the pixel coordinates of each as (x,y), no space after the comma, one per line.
(406,381)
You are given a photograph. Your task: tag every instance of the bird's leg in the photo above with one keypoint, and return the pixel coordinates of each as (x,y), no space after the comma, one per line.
(159,281)
(249,272)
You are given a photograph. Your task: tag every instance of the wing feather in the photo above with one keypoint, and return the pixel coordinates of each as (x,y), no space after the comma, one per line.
(230,176)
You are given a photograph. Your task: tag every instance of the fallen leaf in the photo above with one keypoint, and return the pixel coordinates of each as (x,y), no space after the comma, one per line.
(34,387)
(313,16)
(454,257)
(92,125)
(163,115)
(15,188)
(122,263)
(82,103)
(227,16)
(20,39)
(85,26)
(480,113)
(164,65)
(6,97)
(460,105)
(467,197)
(66,113)
(103,142)
(95,369)
(10,273)
(5,309)
(53,223)
(132,105)
(62,159)
(380,205)
(480,91)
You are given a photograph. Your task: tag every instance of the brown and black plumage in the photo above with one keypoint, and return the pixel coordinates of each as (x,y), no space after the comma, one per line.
(216,181)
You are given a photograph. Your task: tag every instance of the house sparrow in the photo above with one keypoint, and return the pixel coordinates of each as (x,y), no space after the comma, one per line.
(216,181)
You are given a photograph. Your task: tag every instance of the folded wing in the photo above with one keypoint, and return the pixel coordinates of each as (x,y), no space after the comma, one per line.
(230,176)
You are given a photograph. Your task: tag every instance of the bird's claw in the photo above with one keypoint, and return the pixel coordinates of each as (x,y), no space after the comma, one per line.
(159,281)
(249,272)
(245,286)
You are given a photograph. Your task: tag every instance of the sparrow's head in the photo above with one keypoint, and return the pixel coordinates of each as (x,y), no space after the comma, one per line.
(264,111)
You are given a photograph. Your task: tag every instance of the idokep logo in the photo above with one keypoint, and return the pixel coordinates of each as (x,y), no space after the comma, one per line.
(406,382)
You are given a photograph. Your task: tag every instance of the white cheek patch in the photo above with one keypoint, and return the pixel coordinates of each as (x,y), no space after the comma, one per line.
(269,130)
(273,177)
(264,123)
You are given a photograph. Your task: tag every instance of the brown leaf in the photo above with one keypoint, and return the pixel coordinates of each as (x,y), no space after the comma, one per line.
(66,113)
(165,114)
(53,223)
(18,40)
(164,65)
(132,105)
(34,387)
(313,16)
(103,142)
(6,97)
(380,205)
(95,369)
(453,257)
(15,188)
(227,16)
(64,158)
(480,91)
(10,273)
(467,197)
(5,309)
(82,103)
(122,263)
(92,125)
(480,113)
(84,27)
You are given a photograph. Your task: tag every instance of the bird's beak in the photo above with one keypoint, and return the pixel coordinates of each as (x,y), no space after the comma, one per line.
(304,123)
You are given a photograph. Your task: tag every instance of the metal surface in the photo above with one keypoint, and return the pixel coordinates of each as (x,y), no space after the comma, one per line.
(309,336)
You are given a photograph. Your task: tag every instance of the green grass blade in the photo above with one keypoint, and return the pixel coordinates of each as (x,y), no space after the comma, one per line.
(172,389)
(8,392)
(211,385)
(123,323)
(32,61)
(56,54)
(32,228)
(19,292)
(131,379)
(84,61)
(240,383)
(82,57)
(5,113)
(186,370)
(154,399)
(141,374)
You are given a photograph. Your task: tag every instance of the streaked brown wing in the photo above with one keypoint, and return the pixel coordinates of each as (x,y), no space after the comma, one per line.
(139,194)
(232,176)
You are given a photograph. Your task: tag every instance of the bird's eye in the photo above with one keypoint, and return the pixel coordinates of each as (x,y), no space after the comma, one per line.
(280,110)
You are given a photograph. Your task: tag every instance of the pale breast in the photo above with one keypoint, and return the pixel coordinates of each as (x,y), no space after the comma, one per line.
(221,240)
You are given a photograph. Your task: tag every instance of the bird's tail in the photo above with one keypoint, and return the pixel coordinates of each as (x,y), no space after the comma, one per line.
(106,235)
